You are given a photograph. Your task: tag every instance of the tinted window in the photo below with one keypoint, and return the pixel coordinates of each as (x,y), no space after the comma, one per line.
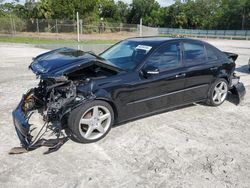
(126,54)
(211,54)
(194,52)
(166,57)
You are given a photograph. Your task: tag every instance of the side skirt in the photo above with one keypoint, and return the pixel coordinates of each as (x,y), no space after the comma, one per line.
(158,112)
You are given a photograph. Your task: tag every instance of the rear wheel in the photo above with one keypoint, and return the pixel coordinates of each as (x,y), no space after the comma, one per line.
(91,122)
(218,92)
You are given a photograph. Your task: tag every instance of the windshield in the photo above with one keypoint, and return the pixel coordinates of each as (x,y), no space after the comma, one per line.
(126,55)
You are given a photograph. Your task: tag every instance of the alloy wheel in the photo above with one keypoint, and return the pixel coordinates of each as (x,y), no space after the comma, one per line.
(220,92)
(95,122)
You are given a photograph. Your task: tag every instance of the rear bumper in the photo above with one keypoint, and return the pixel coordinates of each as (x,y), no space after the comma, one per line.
(237,88)
(21,123)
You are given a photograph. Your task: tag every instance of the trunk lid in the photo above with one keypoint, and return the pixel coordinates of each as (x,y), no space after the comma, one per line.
(232,56)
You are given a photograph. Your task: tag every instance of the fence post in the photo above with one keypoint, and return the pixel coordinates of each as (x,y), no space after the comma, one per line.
(140,27)
(81,26)
(37,28)
(11,26)
(14,25)
(77,24)
(56,30)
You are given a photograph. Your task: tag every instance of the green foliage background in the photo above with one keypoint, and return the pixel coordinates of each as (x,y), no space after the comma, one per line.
(195,14)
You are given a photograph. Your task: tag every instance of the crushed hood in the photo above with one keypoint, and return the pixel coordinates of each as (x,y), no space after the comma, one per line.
(59,61)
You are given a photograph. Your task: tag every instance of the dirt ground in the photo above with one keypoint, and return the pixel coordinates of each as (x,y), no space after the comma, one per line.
(195,146)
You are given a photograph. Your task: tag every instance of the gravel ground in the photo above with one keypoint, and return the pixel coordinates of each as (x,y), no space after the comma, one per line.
(195,146)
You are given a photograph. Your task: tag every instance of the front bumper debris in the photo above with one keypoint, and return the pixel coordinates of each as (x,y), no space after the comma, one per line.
(21,123)
(24,130)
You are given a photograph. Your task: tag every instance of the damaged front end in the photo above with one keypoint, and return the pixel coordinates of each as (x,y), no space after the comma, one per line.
(53,101)
(67,77)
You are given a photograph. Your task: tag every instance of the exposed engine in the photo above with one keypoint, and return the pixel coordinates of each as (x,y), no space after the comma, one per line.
(51,99)
(55,97)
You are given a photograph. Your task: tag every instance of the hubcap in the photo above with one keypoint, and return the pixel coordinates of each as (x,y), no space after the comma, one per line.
(95,122)
(220,92)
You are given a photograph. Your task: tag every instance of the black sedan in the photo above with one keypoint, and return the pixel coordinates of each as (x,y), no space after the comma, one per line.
(86,94)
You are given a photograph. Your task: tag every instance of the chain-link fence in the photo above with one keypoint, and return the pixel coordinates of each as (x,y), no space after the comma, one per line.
(65,29)
(68,30)
(227,34)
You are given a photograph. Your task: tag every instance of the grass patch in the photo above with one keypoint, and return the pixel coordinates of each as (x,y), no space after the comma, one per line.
(27,40)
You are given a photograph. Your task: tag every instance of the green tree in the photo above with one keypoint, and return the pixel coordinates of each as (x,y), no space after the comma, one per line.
(122,11)
(142,9)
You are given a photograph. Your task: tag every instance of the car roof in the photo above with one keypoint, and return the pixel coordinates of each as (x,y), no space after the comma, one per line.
(156,41)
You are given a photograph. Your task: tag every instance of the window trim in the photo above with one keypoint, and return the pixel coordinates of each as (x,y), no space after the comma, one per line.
(214,51)
(160,47)
(196,62)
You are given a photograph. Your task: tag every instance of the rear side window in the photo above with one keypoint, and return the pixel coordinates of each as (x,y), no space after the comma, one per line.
(194,52)
(211,54)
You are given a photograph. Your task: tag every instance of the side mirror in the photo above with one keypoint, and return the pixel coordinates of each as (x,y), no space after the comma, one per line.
(150,70)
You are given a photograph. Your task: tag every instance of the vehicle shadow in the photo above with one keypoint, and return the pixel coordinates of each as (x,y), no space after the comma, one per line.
(243,69)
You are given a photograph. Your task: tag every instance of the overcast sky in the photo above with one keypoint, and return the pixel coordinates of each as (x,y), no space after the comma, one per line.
(161,2)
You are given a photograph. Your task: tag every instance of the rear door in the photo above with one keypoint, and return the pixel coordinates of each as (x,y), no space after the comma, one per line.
(201,71)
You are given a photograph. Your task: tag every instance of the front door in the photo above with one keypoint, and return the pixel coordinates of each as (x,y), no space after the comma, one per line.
(161,89)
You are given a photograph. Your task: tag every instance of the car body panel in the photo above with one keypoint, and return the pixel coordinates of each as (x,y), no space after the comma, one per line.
(132,94)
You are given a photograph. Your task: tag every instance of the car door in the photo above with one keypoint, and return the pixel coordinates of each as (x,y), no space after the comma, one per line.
(160,83)
(200,70)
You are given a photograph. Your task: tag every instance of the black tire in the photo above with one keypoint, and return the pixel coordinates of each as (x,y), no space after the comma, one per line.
(76,115)
(210,100)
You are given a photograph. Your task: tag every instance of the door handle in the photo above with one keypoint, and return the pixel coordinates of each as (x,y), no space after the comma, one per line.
(180,75)
(213,68)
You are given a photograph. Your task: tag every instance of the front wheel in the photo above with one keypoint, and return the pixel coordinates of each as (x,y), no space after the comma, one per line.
(91,122)
(218,92)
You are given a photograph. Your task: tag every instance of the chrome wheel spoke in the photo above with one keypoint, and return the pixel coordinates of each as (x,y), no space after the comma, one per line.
(100,129)
(219,97)
(224,91)
(89,131)
(216,89)
(104,117)
(221,86)
(215,96)
(95,111)
(85,121)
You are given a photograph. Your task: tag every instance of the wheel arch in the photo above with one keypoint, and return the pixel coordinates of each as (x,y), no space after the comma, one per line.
(226,78)
(111,103)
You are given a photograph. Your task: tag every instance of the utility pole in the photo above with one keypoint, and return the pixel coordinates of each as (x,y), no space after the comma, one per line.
(141,27)
(56,30)
(78,25)
(81,26)
(37,28)
(11,25)
(243,18)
